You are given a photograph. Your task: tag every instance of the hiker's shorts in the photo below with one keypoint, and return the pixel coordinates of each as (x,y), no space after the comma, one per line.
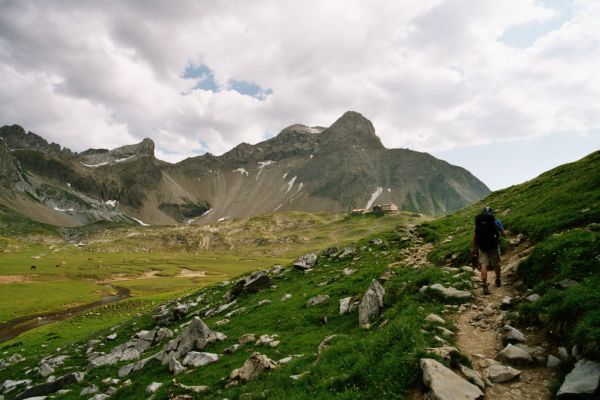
(486,256)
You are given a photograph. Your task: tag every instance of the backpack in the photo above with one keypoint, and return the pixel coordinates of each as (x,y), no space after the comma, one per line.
(486,232)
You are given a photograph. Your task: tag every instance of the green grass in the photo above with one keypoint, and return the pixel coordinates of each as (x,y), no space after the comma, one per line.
(358,364)
(559,211)
(20,299)
(571,314)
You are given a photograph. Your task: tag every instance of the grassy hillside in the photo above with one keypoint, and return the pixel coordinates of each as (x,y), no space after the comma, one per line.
(559,211)
(359,363)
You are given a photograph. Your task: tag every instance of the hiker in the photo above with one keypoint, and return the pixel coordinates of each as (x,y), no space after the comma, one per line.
(486,243)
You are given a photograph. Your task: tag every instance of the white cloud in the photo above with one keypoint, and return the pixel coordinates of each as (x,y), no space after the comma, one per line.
(431,75)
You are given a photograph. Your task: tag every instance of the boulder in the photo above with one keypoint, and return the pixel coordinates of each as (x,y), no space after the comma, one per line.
(345,305)
(254,366)
(371,303)
(582,382)
(313,301)
(44,370)
(445,384)
(514,355)
(448,293)
(501,373)
(306,262)
(253,283)
(199,359)
(512,335)
(196,336)
(533,298)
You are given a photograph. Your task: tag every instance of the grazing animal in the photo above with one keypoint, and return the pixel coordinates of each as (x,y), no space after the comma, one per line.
(57,265)
(33,267)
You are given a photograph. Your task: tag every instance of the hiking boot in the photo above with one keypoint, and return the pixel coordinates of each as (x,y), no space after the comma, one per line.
(498,283)
(486,289)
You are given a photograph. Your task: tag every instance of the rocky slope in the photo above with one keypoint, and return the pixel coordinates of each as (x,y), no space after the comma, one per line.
(302,168)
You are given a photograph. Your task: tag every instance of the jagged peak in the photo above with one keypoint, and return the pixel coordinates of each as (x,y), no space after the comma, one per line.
(352,127)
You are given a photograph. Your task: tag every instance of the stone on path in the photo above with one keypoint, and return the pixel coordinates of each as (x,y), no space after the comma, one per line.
(501,373)
(371,304)
(515,355)
(512,335)
(553,361)
(472,376)
(583,380)
(447,293)
(445,384)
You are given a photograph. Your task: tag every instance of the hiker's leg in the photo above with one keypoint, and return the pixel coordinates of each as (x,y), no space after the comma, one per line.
(484,260)
(497,260)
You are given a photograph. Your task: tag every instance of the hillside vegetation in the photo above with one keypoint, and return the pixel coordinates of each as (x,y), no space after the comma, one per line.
(559,211)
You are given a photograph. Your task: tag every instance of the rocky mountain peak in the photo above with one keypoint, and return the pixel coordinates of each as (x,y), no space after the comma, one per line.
(353,128)
(16,138)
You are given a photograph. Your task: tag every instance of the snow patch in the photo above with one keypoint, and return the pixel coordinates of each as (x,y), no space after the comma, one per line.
(285,175)
(278,207)
(142,223)
(300,187)
(290,185)
(206,212)
(68,185)
(389,190)
(241,171)
(311,156)
(60,209)
(223,219)
(112,203)
(120,160)
(313,129)
(95,165)
(262,164)
(374,197)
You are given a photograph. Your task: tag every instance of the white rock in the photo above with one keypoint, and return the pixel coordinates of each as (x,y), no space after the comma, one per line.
(436,319)
(445,384)
(286,297)
(345,305)
(584,379)
(153,387)
(512,334)
(371,303)
(515,355)
(112,336)
(89,390)
(199,359)
(501,373)
(313,301)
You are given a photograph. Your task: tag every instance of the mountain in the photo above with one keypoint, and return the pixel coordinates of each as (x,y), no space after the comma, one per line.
(302,168)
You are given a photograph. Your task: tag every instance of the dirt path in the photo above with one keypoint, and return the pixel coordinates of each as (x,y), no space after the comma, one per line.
(479,335)
(479,325)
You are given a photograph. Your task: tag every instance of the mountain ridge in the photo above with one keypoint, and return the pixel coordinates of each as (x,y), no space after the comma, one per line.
(302,168)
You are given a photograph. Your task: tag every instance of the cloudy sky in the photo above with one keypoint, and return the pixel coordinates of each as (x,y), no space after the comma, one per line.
(506,88)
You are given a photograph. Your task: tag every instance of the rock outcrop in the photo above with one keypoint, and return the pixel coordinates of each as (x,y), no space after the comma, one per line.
(371,303)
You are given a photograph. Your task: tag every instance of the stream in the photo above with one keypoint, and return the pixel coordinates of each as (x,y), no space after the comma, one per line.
(13,328)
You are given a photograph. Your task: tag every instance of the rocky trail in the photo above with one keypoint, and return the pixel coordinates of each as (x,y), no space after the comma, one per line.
(506,363)
(482,330)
